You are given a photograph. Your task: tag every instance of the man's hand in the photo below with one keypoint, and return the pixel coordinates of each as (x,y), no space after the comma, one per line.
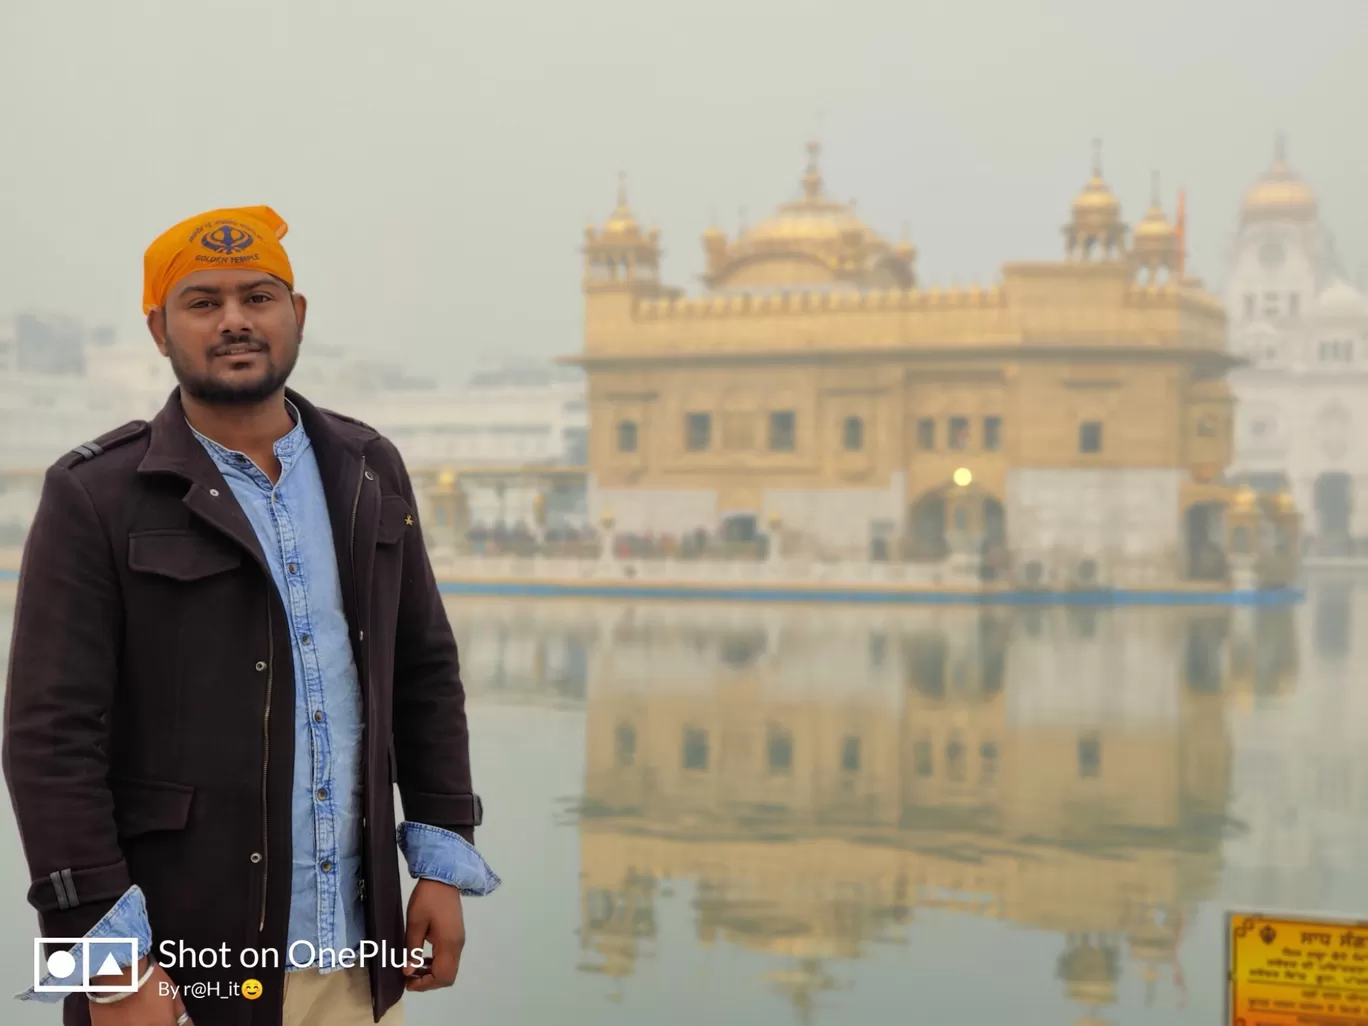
(434,917)
(155,1004)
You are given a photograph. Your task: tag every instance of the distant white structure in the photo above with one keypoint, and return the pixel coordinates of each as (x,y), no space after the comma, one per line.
(61,385)
(1304,328)
(508,413)
(47,407)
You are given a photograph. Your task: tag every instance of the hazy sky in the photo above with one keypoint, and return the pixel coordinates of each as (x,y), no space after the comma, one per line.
(437,160)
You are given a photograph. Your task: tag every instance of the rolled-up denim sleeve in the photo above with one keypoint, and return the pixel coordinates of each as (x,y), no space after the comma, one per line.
(126,921)
(436,854)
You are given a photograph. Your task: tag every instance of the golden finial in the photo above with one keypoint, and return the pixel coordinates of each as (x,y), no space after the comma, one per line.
(1280,149)
(1154,189)
(1097,158)
(622,190)
(713,234)
(812,179)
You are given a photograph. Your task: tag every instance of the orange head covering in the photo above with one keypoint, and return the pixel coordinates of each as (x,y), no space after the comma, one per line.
(240,237)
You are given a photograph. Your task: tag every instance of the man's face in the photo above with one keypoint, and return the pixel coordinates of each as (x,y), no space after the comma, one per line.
(232,336)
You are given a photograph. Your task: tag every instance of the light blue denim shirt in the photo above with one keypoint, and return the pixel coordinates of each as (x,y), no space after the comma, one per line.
(326,911)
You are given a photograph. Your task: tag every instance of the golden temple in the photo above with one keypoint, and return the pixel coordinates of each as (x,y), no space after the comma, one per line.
(1069,425)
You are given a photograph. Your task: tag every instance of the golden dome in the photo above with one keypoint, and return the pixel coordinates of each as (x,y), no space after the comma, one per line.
(1096,203)
(810,240)
(1284,503)
(1245,499)
(812,218)
(1279,195)
(1155,226)
(1096,200)
(621,222)
(1155,239)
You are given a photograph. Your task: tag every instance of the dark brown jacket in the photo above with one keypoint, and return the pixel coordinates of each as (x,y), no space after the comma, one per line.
(149,720)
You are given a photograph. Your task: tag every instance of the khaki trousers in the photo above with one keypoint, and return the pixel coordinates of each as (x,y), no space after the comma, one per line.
(339,998)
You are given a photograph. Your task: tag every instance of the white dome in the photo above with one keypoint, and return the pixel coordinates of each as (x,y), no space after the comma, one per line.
(1341,301)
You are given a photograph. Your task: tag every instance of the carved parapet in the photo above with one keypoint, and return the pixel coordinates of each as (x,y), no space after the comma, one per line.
(814,303)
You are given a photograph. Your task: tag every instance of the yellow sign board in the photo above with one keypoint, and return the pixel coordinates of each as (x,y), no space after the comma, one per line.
(1293,971)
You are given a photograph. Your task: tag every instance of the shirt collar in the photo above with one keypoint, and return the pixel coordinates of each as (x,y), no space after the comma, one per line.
(286,447)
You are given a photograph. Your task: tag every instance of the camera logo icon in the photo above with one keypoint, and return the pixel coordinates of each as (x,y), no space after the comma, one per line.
(70,968)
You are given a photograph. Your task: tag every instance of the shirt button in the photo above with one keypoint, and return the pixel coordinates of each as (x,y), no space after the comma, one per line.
(293,568)
(326,867)
(322,794)
(318,716)
(256,856)
(260,666)
(304,638)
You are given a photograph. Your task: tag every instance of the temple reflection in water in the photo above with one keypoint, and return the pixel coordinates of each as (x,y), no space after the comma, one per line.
(817,780)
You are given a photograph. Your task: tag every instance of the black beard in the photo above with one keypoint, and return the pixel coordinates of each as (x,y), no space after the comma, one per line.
(216,393)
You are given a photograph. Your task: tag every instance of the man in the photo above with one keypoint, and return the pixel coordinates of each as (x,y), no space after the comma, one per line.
(229,647)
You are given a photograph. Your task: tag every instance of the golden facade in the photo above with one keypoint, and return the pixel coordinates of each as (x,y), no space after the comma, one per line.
(819,390)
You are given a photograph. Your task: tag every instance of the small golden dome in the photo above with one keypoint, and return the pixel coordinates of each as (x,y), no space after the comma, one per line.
(1155,239)
(1096,203)
(621,222)
(1245,499)
(1285,503)
(1280,194)
(1155,226)
(1096,200)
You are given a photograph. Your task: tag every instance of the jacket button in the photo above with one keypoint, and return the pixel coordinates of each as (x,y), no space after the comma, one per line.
(370,476)
(261,665)
(361,636)
(256,856)
(213,492)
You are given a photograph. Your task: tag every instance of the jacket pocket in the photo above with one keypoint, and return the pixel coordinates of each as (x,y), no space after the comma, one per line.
(148,806)
(180,555)
(395,519)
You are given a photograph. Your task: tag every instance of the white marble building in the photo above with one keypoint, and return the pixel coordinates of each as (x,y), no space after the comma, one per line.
(1295,315)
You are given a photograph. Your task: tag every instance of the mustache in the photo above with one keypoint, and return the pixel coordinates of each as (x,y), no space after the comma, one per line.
(227,343)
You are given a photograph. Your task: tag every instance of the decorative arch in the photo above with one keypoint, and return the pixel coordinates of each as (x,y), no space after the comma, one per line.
(950,517)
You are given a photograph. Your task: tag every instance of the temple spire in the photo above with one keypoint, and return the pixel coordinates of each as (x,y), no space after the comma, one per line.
(812,180)
(1280,148)
(1097,158)
(1154,189)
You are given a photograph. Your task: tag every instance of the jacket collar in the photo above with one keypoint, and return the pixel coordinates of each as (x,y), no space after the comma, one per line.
(174,449)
